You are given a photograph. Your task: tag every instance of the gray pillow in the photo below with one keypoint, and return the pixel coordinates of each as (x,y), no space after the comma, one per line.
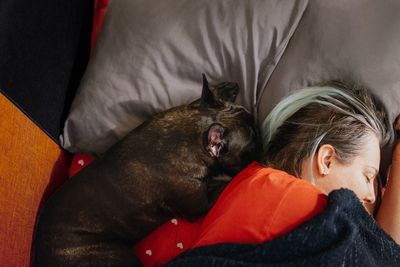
(357,41)
(150,56)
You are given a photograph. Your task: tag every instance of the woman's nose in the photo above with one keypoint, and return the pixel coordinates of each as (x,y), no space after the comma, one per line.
(370,195)
(369,199)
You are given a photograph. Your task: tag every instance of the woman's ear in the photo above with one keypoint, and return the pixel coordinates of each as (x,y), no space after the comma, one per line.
(325,157)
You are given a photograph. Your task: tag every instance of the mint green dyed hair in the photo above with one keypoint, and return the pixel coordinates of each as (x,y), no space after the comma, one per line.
(329,114)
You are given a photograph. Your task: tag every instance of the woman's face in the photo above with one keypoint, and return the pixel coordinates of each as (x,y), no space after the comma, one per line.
(357,175)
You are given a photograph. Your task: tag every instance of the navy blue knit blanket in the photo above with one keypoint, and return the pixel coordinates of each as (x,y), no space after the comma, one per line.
(343,235)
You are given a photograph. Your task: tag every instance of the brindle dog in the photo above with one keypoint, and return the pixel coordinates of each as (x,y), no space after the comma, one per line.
(163,168)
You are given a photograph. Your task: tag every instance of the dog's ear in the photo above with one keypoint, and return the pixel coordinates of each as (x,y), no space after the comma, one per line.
(222,93)
(207,99)
(226,92)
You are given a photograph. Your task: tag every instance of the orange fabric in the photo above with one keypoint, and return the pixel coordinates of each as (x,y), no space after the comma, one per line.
(27,156)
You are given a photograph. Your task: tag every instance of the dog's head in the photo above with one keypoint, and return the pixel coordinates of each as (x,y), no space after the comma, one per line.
(229,138)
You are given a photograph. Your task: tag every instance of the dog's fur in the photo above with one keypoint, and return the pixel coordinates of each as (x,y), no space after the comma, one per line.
(161,169)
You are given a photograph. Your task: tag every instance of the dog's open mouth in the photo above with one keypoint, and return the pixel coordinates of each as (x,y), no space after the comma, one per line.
(216,142)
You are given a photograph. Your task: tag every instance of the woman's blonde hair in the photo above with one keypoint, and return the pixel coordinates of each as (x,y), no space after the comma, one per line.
(327,114)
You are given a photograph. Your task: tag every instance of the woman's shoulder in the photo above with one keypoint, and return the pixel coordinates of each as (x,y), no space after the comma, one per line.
(296,200)
(300,202)
(271,178)
(259,205)
(284,191)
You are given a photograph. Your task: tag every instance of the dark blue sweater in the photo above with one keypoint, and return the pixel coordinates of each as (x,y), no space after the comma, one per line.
(343,235)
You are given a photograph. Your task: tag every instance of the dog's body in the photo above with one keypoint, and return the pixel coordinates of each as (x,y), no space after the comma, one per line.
(163,168)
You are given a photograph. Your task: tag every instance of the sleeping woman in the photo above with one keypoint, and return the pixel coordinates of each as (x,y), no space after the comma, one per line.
(309,202)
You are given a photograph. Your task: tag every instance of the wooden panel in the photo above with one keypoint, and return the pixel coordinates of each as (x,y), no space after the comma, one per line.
(27,156)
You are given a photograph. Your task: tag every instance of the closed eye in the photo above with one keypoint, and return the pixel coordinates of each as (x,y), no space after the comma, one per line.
(370,179)
(370,174)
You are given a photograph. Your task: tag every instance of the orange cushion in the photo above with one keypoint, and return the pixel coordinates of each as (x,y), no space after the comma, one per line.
(27,157)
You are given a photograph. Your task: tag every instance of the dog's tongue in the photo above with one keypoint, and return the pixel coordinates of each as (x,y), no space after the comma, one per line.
(214,150)
(215,140)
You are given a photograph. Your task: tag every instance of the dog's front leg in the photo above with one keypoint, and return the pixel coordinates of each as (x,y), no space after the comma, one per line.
(215,186)
(190,200)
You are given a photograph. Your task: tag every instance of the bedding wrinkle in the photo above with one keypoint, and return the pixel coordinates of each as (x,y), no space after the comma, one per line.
(269,64)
